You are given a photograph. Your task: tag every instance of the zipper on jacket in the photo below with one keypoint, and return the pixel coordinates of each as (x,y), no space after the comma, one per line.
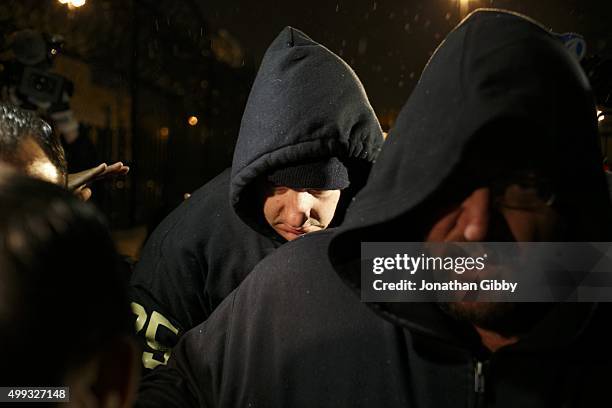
(479,378)
(479,384)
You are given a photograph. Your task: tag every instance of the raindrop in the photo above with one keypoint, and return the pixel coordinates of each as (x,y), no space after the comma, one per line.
(412,75)
(416,17)
(427,23)
(156,25)
(601,44)
(344,43)
(400,84)
(406,26)
(374,6)
(447,16)
(363,46)
(391,16)
(337,7)
(437,36)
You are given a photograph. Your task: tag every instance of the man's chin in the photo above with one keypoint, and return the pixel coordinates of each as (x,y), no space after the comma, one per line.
(506,319)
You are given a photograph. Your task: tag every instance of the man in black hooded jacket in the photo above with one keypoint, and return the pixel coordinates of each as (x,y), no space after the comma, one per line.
(295,335)
(308,131)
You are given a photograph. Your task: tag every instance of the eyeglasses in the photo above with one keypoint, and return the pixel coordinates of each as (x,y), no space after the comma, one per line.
(526,191)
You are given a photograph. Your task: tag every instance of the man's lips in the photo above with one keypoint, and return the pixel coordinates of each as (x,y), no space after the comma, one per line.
(296,231)
(292,230)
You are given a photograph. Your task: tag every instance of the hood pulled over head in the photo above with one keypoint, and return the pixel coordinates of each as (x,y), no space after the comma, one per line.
(502,86)
(306,106)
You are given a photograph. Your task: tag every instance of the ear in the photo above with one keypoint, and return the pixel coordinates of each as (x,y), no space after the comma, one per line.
(109,379)
(469,221)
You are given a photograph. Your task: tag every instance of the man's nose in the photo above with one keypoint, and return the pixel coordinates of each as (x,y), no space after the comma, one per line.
(298,210)
(473,222)
(469,222)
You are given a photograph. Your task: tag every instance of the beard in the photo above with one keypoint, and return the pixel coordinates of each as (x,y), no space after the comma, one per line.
(506,319)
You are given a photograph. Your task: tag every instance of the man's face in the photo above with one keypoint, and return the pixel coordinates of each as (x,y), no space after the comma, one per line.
(481,217)
(292,213)
(517,213)
(34,162)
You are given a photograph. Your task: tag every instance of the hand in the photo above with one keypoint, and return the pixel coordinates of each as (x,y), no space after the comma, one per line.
(78,182)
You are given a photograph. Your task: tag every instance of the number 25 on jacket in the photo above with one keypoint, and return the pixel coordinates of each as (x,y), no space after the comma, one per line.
(149,359)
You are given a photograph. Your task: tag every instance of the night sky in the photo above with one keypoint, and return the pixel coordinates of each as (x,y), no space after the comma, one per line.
(389,42)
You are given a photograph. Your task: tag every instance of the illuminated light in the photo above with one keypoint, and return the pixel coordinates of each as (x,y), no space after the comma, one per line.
(164,132)
(464,8)
(73,3)
(192,120)
(600,115)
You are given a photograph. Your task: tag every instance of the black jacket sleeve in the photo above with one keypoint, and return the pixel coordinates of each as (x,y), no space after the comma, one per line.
(164,309)
(192,377)
(168,286)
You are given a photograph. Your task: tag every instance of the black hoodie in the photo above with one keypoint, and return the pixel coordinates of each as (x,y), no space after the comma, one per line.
(306,104)
(295,335)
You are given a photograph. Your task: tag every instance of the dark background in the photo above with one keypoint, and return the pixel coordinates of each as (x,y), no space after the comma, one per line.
(163,61)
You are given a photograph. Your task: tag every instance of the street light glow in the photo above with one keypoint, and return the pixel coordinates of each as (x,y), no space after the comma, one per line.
(464,8)
(73,3)
(164,132)
(192,120)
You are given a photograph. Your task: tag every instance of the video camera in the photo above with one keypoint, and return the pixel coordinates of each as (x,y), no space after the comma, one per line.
(25,77)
